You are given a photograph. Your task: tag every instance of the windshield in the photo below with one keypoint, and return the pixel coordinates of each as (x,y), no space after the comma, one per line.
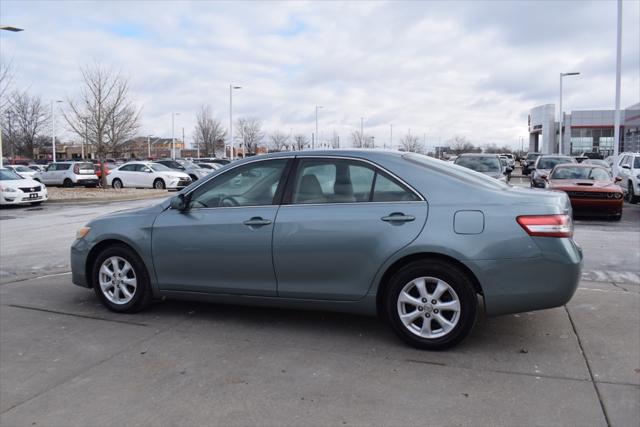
(22,169)
(8,175)
(636,163)
(172,164)
(597,162)
(596,173)
(551,162)
(480,163)
(532,156)
(159,168)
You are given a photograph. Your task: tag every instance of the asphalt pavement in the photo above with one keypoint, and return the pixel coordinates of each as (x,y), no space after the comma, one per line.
(67,361)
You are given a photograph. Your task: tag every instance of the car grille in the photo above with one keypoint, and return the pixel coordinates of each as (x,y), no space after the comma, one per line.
(31,189)
(184,182)
(591,195)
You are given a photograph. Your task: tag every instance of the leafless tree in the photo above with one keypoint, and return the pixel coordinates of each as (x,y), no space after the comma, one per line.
(209,134)
(334,140)
(460,144)
(104,112)
(6,78)
(278,141)
(27,118)
(300,142)
(361,140)
(411,143)
(249,133)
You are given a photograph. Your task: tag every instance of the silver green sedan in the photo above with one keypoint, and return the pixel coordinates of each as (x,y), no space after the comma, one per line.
(413,239)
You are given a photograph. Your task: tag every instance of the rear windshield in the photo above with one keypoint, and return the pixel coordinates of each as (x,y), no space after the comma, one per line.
(85,166)
(636,163)
(551,162)
(159,167)
(479,163)
(598,174)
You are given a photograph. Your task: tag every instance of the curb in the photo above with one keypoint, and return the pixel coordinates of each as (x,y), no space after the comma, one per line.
(102,200)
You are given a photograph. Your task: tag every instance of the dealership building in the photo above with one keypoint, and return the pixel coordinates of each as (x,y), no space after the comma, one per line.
(584,131)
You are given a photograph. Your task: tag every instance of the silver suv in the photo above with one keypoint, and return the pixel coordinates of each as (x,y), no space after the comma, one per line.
(68,174)
(629,172)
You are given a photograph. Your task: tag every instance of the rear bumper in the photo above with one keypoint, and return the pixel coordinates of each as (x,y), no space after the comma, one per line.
(526,284)
(87,182)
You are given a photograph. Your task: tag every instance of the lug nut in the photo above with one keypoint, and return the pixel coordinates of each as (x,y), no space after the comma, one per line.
(420,308)
(424,300)
(434,301)
(435,311)
(427,315)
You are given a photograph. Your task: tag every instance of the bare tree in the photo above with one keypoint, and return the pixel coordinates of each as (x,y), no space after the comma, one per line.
(209,134)
(361,140)
(104,112)
(460,144)
(278,141)
(249,133)
(300,141)
(6,78)
(334,140)
(27,118)
(411,143)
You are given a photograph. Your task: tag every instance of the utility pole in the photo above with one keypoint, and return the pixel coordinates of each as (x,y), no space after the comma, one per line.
(391,136)
(184,143)
(616,121)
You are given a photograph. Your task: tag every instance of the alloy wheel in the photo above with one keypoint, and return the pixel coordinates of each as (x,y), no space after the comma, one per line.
(117,280)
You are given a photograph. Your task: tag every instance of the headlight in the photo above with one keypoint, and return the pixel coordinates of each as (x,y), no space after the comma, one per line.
(175,177)
(7,189)
(618,195)
(83,231)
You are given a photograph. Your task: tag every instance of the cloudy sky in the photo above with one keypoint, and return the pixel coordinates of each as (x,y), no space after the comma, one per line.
(435,68)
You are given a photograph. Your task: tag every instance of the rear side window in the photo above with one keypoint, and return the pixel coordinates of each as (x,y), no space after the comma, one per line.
(389,190)
(63,166)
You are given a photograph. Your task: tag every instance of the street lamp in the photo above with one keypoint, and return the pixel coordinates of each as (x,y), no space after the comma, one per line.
(173,139)
(13,30)
(231,89)
(561,120)
(316,136)
(53,127)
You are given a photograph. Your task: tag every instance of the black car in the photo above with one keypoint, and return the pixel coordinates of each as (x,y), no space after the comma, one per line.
(529,161)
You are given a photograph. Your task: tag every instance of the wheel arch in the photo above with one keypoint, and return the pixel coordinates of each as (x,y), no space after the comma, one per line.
(99,247)
(407,259)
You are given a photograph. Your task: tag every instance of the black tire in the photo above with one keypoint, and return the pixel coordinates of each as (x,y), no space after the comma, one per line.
(36,203)
(461,284)
(159,184)
(117,184)
(142,295)
(36,179)
(616,217)
(633,199)
(193,177)
(67,183)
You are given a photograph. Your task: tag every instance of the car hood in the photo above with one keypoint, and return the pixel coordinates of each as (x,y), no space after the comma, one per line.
(156,208)
(20,183)
(582,184)
(173,172)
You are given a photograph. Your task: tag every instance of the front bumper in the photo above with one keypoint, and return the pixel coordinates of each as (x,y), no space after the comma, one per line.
(79,252)
(178,184)
(596,206)
(19,197)
(524,284)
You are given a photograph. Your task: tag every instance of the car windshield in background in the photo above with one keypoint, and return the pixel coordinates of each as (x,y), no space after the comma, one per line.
(532,156)
(23,169)
(636,163)
(597,162)
(8,175)
(172,164)
(597,174)
(551,162)
(159,168)
(480,163)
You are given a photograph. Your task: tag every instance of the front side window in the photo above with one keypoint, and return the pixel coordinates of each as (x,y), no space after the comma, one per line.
(254,184)
(321,181)
(480,163)
(127,168)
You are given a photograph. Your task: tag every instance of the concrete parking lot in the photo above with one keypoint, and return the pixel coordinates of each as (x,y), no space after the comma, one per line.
(67,361)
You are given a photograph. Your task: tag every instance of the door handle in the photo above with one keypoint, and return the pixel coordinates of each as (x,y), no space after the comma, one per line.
(257,221)
(398,217)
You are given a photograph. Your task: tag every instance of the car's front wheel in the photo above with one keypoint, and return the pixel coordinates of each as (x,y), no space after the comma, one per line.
(158,184)
(120,280)
(431,304)
(117,184)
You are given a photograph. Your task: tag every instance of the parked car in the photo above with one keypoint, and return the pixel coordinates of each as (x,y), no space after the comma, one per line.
(629,173)
(15,190)
(529,161)
(592,155)
(147,175)
(351,234)
(598,162)
(68,174)
(37,167)
(591,189)
(543,167)
(194,171)
(23,171)
(511,160)
(211,166)
(504,161)
(488,164)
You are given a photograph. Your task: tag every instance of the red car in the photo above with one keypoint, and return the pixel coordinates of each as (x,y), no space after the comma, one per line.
(591,189)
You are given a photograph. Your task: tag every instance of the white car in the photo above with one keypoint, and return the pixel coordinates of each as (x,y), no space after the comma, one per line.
(68,174)
(147,175)
(629,172)
(23,171)
(15,190)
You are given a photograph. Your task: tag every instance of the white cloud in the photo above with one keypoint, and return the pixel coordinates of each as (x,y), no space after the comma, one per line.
(439,68)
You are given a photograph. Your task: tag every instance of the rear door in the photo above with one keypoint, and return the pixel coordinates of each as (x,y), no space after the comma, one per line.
(340,220)
(127,175)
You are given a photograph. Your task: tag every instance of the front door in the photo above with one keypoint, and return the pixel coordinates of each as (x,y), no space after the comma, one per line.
(342,220)
(222,243)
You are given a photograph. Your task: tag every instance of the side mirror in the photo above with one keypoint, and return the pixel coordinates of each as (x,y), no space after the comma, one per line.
(617,179)
(626,167)
(179,202)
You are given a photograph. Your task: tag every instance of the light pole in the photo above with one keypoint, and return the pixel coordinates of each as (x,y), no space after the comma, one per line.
(616,119)
(317,107)
(84,140)
(53,127)
(149,146)
(231,89)
(173,138)
(561,120)
(13,30)
(391,136)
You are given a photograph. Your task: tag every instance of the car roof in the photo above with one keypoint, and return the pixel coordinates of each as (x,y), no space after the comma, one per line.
(580,165)
(478,155)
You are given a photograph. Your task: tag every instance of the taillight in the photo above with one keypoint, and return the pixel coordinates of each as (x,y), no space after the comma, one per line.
(547,225)
(76,169)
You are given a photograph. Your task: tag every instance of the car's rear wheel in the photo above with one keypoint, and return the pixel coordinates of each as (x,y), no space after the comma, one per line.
(631,194)
(120,280)
(117,184)
(158,184)
(431,304)
(67,183)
